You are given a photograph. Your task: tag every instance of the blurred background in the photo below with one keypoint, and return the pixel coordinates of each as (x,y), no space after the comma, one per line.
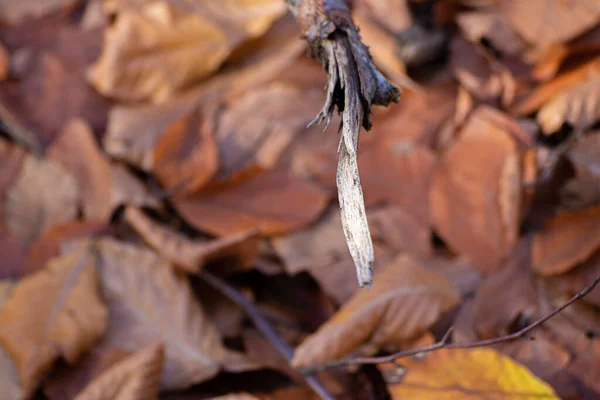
(158,180)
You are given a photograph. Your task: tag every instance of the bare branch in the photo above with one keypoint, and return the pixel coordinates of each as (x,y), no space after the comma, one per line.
(444,342)
(263,326)
(354,84)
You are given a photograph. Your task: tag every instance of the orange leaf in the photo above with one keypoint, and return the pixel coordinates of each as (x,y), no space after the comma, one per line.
(405,300)
(273,201)
(464,374)
(569,239)
(192,255)
(186,157)
(54,312)
(476,192)
(137,377)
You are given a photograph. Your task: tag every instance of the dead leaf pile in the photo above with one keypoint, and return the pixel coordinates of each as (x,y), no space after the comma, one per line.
(144,143)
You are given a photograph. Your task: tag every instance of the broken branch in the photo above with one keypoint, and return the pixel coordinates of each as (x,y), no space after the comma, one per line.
(354,84)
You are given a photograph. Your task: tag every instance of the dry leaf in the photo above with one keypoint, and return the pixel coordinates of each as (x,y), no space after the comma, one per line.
(14,12)
(49,244)
(162,47)
(192,255)
(275,202)
(490,26)
(259,125)
(484,374)
(149,302)
(77,151)
(127,189)
(4,63)
(545,22)
(186,156)
(10,385)
(56,312)
(476,192)
(568,240)
(137,377)
(579,106)
(12,261)
(405,300)
(43,195)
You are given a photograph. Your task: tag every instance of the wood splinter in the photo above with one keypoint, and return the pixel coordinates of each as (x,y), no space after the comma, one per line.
(354,84)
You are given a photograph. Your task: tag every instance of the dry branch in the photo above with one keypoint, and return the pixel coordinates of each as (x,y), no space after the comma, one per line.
(354,85)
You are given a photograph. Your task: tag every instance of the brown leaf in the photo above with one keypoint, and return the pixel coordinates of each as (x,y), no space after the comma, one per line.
(14,12)
(11,161)
(137,377)
(545,22)
(77,151)
(322,251)
(56,312)
(405,300)
(4,63)
(49,244)
(476,192)
(491,26)
(579,106)
(257,127)
(545,92)
(43,195)
(186,156)
(126,189)
(149,302)
(12,261)
(161,48)
(569,239)
(192,255)
(275,202)
(10,385)
(51,93)
(484,374)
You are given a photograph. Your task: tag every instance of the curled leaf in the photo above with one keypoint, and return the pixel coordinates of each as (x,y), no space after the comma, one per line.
(405,300)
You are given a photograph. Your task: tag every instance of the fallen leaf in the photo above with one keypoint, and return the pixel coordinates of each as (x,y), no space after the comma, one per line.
(126,189)
(135,377)
(545,92)
(148,302)
(56,312)
(566,241)
(545,22)
(186,156)
(192,255)
(43,195)
(405,300)
(12,262)
(490,26)
(160,48)
(14,12)
(400,230)
(9,376)
(4,63)
(579,106)
(275,202)
(257,127)
(11,161)
(49,244)
(484,374)
(476,193)
(322,251)
(77,151)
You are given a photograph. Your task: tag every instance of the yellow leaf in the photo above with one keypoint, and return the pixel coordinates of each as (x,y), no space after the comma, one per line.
(463,374)
(54,312)
(137,377)
(405,300)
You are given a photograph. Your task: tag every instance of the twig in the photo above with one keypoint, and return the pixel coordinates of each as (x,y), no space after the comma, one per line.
(443,343)
(263,326)
(354,84)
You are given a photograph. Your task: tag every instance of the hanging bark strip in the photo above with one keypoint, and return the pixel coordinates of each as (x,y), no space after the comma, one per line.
(354,84)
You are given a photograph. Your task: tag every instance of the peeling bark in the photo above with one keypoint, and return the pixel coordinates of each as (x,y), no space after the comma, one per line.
(354,84)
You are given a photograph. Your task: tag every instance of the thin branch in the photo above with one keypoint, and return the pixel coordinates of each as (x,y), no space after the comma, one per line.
(264,327)
(443,343)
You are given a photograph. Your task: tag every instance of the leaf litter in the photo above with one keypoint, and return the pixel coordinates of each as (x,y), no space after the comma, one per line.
(143,143)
